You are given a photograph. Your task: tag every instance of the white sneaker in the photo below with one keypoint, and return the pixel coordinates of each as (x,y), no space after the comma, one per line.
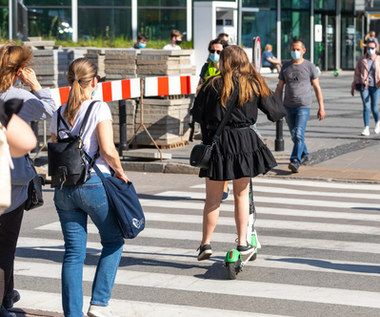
(377,127)
(100,311)
(365,132)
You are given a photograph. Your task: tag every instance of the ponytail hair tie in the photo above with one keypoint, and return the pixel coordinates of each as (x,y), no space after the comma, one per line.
(76,79)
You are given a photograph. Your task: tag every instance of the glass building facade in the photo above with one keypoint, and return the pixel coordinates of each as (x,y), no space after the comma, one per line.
(276,22)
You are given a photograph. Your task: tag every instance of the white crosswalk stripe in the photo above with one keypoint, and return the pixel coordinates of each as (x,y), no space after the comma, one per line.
(345,227)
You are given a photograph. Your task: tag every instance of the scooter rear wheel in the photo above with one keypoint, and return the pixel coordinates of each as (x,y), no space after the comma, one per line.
(233,268)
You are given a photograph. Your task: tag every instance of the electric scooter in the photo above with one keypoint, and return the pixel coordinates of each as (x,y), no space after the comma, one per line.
(234,261)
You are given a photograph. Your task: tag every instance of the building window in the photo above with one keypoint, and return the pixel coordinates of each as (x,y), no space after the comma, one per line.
(157,21)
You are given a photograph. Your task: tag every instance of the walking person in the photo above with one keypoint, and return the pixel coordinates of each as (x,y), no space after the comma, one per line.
(209,69)
(367,76)
(75,203)
(36,105)
(239,154)
(298,75)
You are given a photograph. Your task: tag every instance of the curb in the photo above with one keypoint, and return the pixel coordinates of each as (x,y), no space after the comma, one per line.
(20,312)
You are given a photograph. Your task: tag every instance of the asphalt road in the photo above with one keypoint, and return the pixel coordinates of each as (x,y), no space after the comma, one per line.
(320,253)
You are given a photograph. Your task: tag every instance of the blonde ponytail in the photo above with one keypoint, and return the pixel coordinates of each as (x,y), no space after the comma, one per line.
(81,72)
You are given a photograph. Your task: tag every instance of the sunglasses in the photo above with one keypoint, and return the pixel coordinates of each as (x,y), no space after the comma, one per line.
(215,51)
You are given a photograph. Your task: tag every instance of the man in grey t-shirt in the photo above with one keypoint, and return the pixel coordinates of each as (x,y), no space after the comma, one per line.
(298,76)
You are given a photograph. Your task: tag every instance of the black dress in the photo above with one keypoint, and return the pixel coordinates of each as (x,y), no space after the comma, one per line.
(239,151)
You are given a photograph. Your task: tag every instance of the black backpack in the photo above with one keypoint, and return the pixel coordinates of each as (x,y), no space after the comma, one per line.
(66,157)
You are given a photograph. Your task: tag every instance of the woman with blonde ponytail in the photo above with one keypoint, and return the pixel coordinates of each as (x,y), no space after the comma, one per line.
(75,203)
(239,153)
(36,104)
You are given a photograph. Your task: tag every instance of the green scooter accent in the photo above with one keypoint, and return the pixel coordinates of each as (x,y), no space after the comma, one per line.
(233,256)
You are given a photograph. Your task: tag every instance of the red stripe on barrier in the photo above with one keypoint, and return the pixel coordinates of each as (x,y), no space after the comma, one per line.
(126,89)
(163,86)
(185,85)
(107,91)
(64,94)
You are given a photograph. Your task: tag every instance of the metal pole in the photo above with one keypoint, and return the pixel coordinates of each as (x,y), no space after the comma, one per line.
(74,19)
(279,141)
(278,29)
(122,127)
(312,31)
(189,20)
(134,19)
(239,22)
(10,19)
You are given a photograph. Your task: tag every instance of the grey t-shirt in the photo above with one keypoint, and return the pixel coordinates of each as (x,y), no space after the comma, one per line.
(297,80)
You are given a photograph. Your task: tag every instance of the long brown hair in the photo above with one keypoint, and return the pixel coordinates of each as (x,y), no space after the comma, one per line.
(12,58)
(236,68)
(81,72)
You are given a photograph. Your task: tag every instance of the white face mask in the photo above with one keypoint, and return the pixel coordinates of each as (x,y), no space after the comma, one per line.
(371,51)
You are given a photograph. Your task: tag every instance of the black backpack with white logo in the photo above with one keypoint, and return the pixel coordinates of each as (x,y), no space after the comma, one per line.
(67,164)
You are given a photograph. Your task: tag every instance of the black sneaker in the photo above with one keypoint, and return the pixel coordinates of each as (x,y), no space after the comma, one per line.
(245,250)
(294,166)
(11,298)
(5,313)
(304,159)
(204,252)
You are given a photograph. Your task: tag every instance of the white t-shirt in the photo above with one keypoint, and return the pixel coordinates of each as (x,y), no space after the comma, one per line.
(100,112)
(170,47)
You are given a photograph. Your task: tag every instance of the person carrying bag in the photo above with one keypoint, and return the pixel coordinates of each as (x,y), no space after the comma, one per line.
(76,202)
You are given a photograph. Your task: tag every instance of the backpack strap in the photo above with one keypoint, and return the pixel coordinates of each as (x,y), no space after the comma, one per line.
(67,128)
(86,116)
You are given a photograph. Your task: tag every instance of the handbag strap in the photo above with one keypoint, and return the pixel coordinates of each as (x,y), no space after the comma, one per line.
(226,116)
(84,122)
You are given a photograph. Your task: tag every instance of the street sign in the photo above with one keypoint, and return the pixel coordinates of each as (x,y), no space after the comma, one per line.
(318,33)
(256,60)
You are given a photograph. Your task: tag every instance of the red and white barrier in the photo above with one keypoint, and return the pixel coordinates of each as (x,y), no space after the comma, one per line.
(130,88)
(107,91)
(172,85)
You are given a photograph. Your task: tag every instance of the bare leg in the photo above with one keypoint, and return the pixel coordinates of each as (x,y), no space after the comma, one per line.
(214,192)
(241,190)
(225,188)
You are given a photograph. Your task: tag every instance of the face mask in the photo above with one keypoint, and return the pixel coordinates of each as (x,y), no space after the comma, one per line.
(178,42)
(18,82)
(94,92)
(296,55)
(214,58)
(371,51)
(141,45)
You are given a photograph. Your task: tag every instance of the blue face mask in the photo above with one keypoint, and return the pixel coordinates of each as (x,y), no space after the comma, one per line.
(17,82)
(371,51)
(296,55)
(94,92)
(214,58)
(141,45)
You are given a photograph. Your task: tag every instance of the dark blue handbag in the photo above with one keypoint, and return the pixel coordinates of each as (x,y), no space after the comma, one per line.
(125,204)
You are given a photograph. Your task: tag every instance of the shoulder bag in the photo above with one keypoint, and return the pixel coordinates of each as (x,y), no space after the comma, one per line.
(5,176)
(124,203)
(200,155)
(35,198)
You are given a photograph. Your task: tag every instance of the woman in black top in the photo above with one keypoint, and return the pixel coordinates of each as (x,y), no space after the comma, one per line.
(239,153)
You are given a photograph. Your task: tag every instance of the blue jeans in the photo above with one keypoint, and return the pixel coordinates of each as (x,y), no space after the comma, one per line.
(370,99)
(73,204)
(296,118)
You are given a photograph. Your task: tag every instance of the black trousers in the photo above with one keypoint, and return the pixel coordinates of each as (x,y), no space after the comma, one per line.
(10,224)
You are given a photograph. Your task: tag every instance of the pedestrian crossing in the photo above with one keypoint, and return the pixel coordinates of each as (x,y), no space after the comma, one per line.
(320,256)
